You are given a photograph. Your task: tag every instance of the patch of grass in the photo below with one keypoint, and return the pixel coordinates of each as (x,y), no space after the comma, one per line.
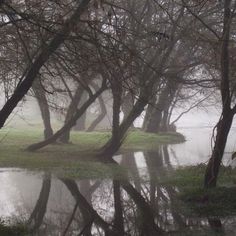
(17,229)
(76,159)
(219,201)
(139,140)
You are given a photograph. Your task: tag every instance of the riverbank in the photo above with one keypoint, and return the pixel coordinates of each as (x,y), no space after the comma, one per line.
(77,158)
(200,202)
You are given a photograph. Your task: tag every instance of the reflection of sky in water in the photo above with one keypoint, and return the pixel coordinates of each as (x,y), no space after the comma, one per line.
(197,148)
(7,191)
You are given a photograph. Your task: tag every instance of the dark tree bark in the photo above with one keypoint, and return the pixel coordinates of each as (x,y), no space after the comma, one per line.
(224,125)
(118,219)
(44,108)
(31,74)
(127,105)
(156,117)
(212,170)
(115,142)
(117,100)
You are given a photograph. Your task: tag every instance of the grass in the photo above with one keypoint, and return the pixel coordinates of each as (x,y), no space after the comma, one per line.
(76,159)
(218,202)
(16,229)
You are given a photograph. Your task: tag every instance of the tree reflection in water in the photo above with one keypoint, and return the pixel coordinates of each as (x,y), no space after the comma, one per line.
(134,206)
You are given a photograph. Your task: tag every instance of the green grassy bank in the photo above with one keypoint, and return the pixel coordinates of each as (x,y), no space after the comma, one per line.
(197,201)
(76,158)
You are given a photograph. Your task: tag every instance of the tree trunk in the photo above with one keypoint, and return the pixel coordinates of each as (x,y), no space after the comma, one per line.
(118,218)
(224,125)
(127,105)
(71,111)
(148,113)
(44,108)
(114,144)
(154,123)
(223,128)
(81,122)
(100,117)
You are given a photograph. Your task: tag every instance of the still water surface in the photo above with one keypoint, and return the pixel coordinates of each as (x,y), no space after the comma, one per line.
(140,206)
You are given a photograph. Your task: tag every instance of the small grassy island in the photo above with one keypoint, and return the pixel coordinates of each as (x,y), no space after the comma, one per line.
(77,159)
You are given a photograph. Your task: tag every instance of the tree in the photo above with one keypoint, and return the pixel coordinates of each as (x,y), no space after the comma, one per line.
(40,59)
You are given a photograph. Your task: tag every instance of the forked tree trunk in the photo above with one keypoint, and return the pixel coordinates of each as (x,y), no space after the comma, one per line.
(154,123)
(44,108)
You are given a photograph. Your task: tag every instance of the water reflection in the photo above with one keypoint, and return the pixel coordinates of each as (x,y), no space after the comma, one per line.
(138,205)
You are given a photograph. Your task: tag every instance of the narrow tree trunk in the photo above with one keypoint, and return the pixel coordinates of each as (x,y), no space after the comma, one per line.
(44,108)
(127,105)
(71,111)
(148,113)
(103,112)
(81,122)
(118,218)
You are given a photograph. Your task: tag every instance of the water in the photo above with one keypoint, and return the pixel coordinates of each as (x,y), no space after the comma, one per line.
(138,206)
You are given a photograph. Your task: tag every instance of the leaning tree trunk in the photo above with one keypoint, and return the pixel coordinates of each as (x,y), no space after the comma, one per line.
(103,112)
(224,125)
(223,128)
(113,145)
(71,111)
(44,108)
